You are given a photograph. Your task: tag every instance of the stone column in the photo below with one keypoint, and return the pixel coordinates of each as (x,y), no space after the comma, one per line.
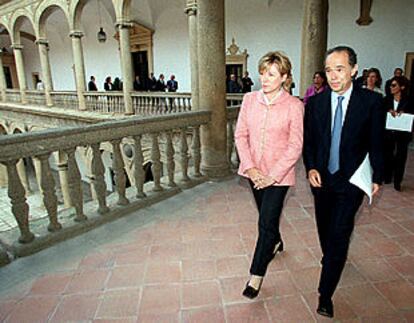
(191,11)
(314,39)
(21,170)
(62,166)
(21,76)
(3,85)
(43,46)
(126,64)
(212,95)
(79,67)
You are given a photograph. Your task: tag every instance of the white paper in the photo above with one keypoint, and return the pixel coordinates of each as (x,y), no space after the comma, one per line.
(402,122)
(362,178)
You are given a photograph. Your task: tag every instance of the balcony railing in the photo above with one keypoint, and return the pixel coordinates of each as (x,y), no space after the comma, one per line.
(144,103)
(174,142)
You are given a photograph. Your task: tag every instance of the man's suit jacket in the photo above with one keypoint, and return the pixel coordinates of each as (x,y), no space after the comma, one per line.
(362,133)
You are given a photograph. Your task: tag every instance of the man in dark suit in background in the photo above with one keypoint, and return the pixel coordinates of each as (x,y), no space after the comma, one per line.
(342,126)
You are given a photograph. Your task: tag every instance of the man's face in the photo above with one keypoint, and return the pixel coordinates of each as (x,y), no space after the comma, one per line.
(339,72)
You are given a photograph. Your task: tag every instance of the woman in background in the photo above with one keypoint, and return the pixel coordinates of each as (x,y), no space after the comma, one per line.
(374,81)
(396,142)
(269,137)
(318,86)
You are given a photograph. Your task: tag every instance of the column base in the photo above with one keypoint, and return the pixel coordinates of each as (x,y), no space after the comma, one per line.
(216,172)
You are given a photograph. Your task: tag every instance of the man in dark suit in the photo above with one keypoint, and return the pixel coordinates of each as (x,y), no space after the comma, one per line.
(342,126)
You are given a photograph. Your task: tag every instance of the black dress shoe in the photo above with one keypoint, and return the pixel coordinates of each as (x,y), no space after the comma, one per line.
(278,248)
(325,307)
(251,292)
(397,187)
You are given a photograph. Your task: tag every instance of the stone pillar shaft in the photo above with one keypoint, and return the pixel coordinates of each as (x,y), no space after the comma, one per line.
(191,11)
(21,76)
(314,40)
(43,46)
(79,67)
(212,95)
(3,85)
(126,64)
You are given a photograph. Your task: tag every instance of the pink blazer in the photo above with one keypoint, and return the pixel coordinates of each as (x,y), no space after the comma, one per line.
(270,137)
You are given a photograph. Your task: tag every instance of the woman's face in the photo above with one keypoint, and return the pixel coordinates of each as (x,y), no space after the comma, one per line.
(317,80)
(395,88)
(272,80)
(372,79)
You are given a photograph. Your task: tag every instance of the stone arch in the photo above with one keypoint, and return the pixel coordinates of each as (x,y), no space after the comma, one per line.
(17,130)
(17,21)
(77,10)
(44,11)
(3,129)
(125,10)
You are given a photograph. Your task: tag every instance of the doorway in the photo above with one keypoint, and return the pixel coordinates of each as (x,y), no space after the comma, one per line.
(140,61)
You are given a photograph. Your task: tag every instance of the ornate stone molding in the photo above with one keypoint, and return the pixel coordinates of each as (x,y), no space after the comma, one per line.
(191,8)
(365,9)
(16,46)
(76,34)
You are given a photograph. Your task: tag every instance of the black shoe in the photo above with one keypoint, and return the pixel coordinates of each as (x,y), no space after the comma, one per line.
(251,292)
(397,187)
(325,307)
(278,248)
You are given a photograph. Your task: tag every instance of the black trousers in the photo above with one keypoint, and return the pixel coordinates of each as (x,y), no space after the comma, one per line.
(269,203)
(395,153)
(336,204)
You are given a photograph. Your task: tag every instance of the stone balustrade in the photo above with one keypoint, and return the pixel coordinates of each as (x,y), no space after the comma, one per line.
(232,114)
(162,135)
(144,103)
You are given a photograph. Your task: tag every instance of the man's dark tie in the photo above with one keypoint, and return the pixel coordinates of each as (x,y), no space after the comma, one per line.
(333,165)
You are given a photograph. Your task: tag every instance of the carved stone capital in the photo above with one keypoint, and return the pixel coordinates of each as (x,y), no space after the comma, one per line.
(76,34)
(191,8)
(42,41)
(123,25)
(16,46)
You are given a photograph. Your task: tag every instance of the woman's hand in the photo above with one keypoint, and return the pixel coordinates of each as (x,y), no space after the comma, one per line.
(266,181)
(393,113)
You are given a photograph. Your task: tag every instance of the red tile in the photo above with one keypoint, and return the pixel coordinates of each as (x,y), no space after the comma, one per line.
(303,225)
(170,317)
(407,242)
(138,256)
(376,270)
(199,269)
(387,247)
(232,266)
(97,260)
(296,259)
(278,283)
(163,272)
(119,304)
(369,232)
(76,308)
(132,319)
(307,279)
(34,309)
(126,276)
(232,289)
(365,301)
(400,293)
(288,309)
(225,232)
(52,284)
(404,265)
(201,294)
(6,307)
(391,229)
(169,251)
(249,312)
(351,276)
(159,299)
(203,315)
(88,281)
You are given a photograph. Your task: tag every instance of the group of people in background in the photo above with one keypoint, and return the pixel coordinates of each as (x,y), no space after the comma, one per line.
(150,84)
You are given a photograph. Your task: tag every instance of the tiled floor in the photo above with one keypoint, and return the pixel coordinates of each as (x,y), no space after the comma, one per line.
(190,262)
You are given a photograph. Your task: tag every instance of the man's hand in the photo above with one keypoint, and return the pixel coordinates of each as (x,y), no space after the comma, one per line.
(375,188)
(314,178)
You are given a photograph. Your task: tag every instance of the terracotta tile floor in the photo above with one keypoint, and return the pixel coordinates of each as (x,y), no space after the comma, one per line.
(191,261)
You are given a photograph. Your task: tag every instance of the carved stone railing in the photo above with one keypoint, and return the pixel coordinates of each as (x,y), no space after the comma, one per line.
(144,103)
(152,103)
(232,157)
(171,140)
(105,102)
(13,95)
(65,99)
(35,97)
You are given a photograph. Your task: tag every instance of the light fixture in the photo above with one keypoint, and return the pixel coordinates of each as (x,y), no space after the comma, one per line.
(101,34)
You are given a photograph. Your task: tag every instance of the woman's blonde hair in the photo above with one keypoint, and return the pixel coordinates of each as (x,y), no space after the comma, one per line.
(282,62)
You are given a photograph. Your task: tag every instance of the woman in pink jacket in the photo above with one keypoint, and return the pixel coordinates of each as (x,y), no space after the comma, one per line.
(269,137)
